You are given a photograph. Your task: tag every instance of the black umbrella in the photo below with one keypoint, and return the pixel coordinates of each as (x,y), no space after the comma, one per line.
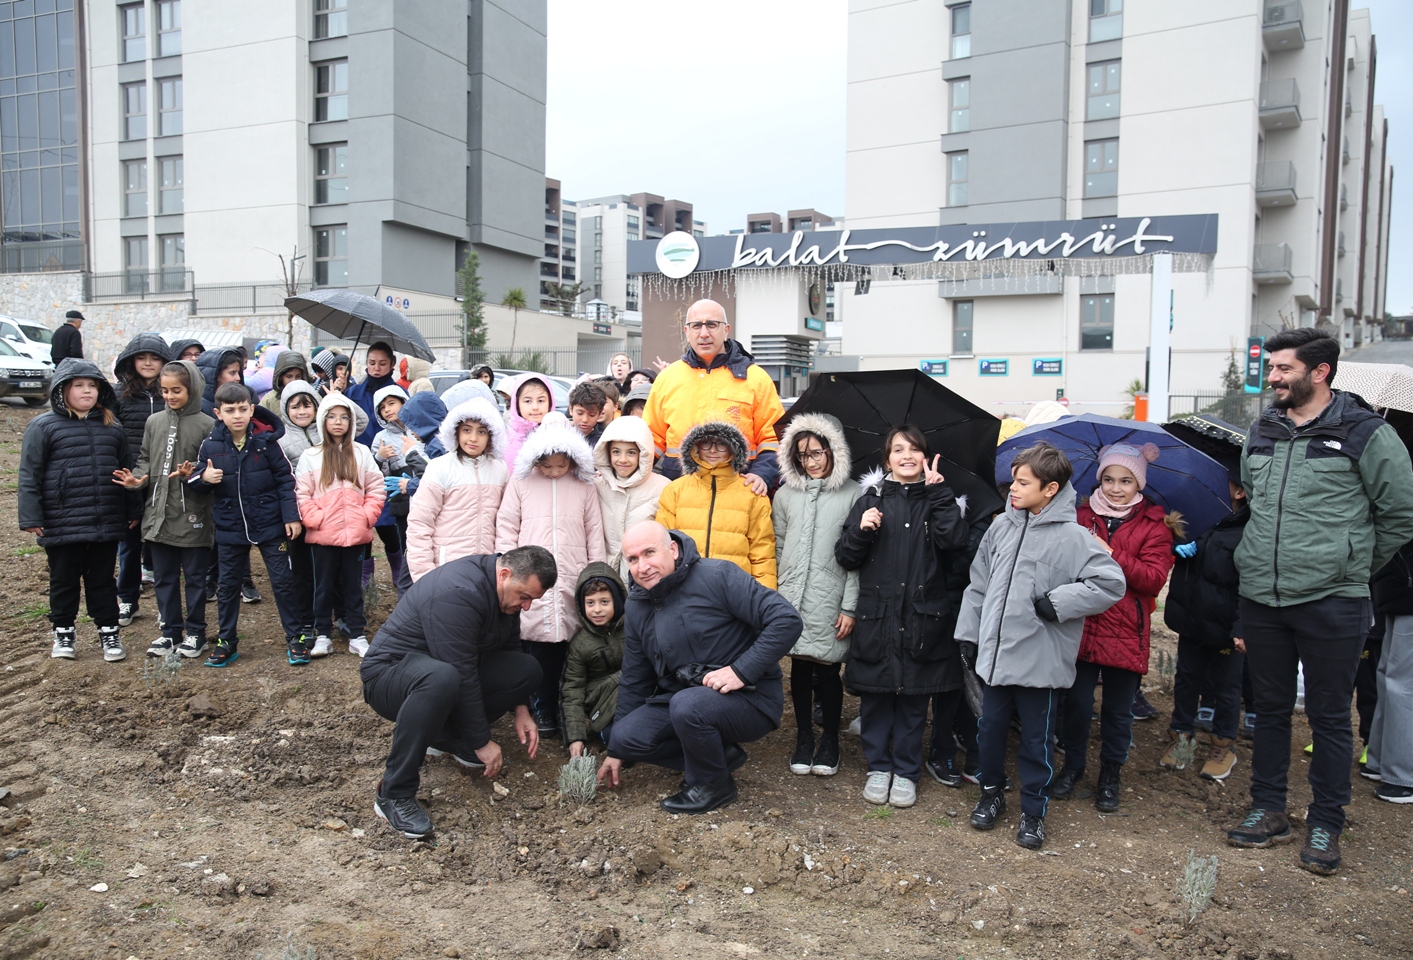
(870,403)
(1215,437)
(348,315)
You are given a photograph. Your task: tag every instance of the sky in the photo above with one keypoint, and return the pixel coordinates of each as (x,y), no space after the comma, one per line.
(742,111)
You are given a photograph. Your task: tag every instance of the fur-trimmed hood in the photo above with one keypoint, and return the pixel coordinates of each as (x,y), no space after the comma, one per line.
(872,482)
(832,432)
(330,401)
(482,411)
(714,430)
(391,390)
(625,430)
(556,435)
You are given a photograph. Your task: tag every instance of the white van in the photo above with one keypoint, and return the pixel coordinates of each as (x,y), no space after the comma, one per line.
(28,339)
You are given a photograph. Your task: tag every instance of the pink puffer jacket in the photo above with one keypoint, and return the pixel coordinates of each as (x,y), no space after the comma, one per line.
(342,515)
(517,427)
(560,515)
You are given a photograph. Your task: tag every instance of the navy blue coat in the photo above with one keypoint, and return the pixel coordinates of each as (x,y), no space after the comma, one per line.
(210,364)
(255,498)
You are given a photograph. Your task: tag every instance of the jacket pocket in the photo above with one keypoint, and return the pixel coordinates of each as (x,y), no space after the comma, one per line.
(929,641)
(869,643)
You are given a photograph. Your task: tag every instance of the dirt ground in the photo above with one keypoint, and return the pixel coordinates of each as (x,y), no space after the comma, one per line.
(228,814)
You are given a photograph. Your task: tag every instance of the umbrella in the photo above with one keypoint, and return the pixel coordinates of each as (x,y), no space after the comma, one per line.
(1383,385)
(870,403)
(1212,435)
(346,314)
(1182,478)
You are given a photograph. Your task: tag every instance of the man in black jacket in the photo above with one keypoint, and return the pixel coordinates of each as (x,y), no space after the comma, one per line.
(67,341)
(446,665)
(701,666)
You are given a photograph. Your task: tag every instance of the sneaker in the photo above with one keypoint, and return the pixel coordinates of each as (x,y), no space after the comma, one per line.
(358,645)
(1031,834)
(803,758)
(944,772)
(191,646)
(223,654)
(403,814)
(1260,829)
(248,593)
(1394,793)
(126,613)
(1205,716)
(876,787)
(1142,709)
(161,646)
(63,648)
(903,793)
(112,644)
(323,646)
(444,748)
(1368,774)
(1179,743)
(856,727)
(1248,726)
(1321,851)
(544,722)
(1220,761)
(298,652)
(989,808)
(826,757)
(148,577)
(211,588)
(971,774)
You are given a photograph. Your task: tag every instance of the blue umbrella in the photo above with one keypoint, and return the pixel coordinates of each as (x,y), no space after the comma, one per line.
(1182,478)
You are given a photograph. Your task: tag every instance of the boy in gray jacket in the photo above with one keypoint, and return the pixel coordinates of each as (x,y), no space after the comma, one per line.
(1036,576)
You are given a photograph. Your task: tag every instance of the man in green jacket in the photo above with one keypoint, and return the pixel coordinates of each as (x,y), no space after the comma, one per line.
(1331,494)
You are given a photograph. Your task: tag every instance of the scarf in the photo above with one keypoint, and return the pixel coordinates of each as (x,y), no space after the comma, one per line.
(1105,507)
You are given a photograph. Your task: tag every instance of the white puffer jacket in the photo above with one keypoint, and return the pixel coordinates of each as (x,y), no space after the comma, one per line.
(630,501)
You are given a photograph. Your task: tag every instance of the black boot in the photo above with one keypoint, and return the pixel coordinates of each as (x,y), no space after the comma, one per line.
(803,757)
(1063,787)
(702,799)
(1106,795)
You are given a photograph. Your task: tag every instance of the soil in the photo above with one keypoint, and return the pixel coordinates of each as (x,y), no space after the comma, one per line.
(228,814)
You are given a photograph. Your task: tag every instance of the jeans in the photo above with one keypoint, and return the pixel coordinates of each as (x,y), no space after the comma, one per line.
(91,566)
(899,717)
(422,696)
(1035,759)
(1115,716)
(277,565)
(803,675)
(689,732)
(338,568)
(1326,637)
(169,565)
(1200,664)
(1391,734)
(130,567)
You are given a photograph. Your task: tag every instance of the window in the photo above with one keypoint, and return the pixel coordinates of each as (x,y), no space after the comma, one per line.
(598,274)
(169,115)
(961,327)
(135,188)
(135,262)
(568,216)
(169,198)
(1096,322)
(330,18)
(959,99)
(1104,90)
(633,224)
(961,31)
(331,91)
(331,256)
(568,235)
(957,179)
(134,32)
(331,174)
(134,111)
(169,28)
(1106,20)
(1101,168)
(173,248)
(598,255)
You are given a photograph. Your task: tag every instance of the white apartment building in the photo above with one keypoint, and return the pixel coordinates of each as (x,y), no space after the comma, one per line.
(559,267)
(606,226)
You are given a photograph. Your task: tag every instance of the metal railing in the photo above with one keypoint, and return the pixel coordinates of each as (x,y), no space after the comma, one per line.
(1272,258)
(169,283)
(1280,95)
(41,256)
(241,298)
(1237,409)
(1275,175)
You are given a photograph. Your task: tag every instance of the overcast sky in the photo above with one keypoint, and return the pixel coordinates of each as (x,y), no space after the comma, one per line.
(740,109)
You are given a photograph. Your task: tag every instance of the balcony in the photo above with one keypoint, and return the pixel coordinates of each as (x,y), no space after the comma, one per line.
(1275,184)
(1344,196)
(1339,244)
(552,234)
(1280,105)
(1281,27)
(550,270)
(1271,263)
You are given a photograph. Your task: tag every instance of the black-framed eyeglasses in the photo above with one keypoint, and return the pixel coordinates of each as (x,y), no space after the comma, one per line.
(711,325)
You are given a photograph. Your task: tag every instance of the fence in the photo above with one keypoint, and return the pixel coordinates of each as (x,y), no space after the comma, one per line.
(170,283)
(244,298)
(1237,409)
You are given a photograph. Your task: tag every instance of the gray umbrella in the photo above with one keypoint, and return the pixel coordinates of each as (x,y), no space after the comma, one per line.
(347,315)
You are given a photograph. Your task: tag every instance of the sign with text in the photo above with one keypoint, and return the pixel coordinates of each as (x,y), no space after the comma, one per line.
(993,368)
(1047,367)
(604,328)
(1255,346)
(933,368)
(815,324)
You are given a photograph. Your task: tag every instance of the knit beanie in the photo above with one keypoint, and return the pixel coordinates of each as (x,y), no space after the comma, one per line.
(324,360)
(1132,458)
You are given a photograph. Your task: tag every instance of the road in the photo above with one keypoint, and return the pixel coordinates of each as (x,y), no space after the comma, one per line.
(1385,351)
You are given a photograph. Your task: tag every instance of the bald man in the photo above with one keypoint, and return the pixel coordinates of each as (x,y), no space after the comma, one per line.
(716,379)
(701,666)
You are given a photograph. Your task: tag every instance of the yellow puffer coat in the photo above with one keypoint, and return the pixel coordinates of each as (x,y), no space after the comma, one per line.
(726,519)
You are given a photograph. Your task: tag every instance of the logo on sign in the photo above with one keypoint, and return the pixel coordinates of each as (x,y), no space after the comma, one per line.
(1048,367)
(815,324)
(677,255)
(604,328)
(993,368)
(933,368)
(1255,346)
(401,303)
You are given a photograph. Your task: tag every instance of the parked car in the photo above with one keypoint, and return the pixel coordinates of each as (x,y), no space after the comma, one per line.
(28,339)
(24,377)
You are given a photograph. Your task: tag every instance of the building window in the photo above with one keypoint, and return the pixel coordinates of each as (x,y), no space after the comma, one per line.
(598,255)
(569,235)
(330,18)
(135,264)
(173,252)
(959,99)
(1096,322)
(961,327)
(169,199)
(169,28)
(961,31)
(1104,90)
(633,225)
(1101,168)
(331,91)
(134,32)
(134,111)
(957,179)
(331,256)
(568,216)
(331,174)
(169,112)
(1106,20)
(598,274)
(135,188)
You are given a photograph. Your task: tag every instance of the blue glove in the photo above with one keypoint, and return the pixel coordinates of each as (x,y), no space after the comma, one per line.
(1186,550)
(393,485)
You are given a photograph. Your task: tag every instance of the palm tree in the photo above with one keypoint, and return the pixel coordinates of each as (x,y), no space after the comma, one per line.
(515,300)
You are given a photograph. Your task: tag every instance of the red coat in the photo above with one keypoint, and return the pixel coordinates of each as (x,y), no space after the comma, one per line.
(1143,547)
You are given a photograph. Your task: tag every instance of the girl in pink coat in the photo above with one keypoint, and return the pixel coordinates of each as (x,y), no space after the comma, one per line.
(531,400)
(454,512)
(551,502)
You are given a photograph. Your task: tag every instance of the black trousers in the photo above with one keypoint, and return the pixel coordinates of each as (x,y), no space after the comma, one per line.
(301,572)
(277,565)
(1212,673)
(1115,716)
(89,565)
(1326,637)
(1366,680)
(169,566)
(898,717)
(130,566)
(689,732)
(803,675)
(551,658)
(952,720)
(338,568)
(1035,759)
(423,696)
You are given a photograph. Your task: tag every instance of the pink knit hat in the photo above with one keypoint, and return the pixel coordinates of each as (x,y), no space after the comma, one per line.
(1131,458)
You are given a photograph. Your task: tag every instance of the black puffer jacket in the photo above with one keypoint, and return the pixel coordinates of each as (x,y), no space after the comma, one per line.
(66,468)
(136,405)
(1202,595)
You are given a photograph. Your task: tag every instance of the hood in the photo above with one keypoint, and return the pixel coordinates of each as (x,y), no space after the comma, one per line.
(640,392)
(177,346)
(872,482)
(391,390)
(556,435)
(714,430)
(463,390)
(142,343)
(328,403)
(210,364)
(625,430)
(732,355)
(198,389)
(687,555)
(1344,407)
(423,414)
(72,368)
(267,423)
(482,411)
(513,390)
(289,393)
(821,425)
(414,368)
(1059,510)
(600,571)
(289,360)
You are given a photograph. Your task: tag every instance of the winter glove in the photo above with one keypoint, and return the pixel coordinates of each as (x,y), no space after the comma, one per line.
(1186,550)
(968,653)
(1046,609)
(393,485)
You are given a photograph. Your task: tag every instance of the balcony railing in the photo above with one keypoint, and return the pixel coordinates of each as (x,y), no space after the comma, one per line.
(1275,184)
(1280,104)
(238,299)
(171,283)
(1272,263)
(1282,27)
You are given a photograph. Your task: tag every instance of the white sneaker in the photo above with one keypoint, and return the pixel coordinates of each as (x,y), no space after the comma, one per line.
(903,793)
(323,646)
(126,611)
(112,645)
(358,645)
(856,727)
(161,647)
(876,789)
(191,646)
(63,648)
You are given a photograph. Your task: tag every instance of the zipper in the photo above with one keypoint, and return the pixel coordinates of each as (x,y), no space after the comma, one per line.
(711,509)
(1280,512)
(554,543)
(1025,525)
(240,498)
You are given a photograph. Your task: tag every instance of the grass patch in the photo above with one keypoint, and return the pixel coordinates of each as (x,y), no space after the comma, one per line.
(36,611)
(878,813)
(26,551)
(940,822)
(87,860)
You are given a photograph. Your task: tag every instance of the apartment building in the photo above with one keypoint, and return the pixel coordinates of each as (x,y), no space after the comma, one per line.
(559,267)
(607,225)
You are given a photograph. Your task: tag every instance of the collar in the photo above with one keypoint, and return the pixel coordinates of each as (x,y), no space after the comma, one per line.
(732,355)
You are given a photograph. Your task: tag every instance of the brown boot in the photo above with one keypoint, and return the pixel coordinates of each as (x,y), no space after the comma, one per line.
(1220,759)
(1179,751)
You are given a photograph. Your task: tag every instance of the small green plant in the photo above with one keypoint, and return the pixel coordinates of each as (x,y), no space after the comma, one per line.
(161,672)
(372,593)
(26,551)
(34,611)
(1199,883)
(940,822)
(1167,670)
(87,861)
(879,813)
(534,361)
(1132,391)
(1184,751)
(578,779)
